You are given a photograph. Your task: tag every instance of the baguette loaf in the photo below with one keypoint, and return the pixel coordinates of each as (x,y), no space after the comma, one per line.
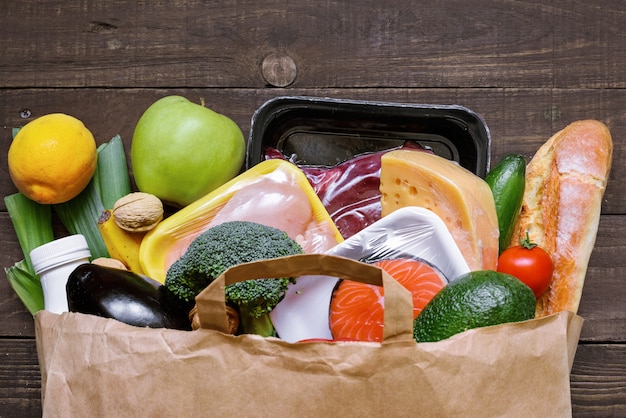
(565,183)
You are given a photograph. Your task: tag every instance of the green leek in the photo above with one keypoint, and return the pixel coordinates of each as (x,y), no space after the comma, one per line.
(110,182)
(32,223)
(112,178)
(26,285)
(80,216)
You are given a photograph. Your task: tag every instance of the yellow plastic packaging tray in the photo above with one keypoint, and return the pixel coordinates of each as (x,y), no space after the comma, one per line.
(162,246)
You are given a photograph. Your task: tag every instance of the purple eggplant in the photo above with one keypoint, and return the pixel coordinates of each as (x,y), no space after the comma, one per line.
(128,297)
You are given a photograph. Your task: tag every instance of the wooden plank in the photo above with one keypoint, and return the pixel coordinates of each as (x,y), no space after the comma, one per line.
(478,43)
(602,304)
(20,379)
(520,120)
(597,381)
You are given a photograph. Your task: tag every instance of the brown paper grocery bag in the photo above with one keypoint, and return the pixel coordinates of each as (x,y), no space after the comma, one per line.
(92,366)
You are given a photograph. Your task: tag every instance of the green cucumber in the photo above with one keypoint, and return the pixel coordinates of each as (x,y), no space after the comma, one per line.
(507,181)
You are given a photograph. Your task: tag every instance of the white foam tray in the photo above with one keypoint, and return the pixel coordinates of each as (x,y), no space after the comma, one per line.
(409,232)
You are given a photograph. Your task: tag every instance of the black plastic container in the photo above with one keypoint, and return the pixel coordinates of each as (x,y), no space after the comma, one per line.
(325,131)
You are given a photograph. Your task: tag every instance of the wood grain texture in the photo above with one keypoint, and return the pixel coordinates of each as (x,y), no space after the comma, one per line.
(598,381)
(528,68)
(20,379)
(333,44)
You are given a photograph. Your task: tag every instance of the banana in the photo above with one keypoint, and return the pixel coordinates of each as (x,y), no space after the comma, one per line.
(121,245)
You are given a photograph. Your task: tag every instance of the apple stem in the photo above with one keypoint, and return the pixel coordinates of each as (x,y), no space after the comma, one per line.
(202,102)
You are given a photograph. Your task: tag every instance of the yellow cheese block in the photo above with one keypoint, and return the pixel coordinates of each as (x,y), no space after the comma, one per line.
(461,199)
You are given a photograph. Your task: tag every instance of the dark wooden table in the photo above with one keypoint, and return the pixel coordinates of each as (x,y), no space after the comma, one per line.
(529,68)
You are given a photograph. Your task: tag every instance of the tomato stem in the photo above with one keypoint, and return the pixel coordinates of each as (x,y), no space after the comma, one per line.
(526,242)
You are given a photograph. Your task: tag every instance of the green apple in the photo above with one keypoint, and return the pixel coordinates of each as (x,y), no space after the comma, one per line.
(181,151)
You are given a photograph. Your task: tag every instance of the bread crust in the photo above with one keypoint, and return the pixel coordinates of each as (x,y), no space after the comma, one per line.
(565,184)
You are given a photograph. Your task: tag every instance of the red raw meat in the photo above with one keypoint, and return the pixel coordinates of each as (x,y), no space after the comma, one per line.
(350,191)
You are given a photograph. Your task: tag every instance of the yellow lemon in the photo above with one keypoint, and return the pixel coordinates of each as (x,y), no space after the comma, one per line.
(52,158)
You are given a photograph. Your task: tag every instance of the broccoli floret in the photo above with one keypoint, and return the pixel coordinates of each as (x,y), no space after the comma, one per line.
(254,300)
(224,246)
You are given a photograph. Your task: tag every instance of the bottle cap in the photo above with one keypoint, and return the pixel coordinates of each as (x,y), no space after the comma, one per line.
(59,252)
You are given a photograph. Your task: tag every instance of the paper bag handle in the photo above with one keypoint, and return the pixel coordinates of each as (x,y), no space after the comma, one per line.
(398,313)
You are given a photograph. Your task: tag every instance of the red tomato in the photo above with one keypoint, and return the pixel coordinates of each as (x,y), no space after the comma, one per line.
(529,263)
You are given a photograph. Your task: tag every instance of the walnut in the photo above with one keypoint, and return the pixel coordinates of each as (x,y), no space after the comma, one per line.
(138,212)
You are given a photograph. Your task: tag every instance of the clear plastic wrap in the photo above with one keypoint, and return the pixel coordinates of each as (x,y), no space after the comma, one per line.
(410,232)
(274,193)
(350,190)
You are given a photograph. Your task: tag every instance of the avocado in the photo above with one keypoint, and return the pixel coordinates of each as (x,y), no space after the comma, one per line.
(476,299)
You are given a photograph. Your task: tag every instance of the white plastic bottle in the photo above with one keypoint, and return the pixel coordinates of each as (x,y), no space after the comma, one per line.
(54,262)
